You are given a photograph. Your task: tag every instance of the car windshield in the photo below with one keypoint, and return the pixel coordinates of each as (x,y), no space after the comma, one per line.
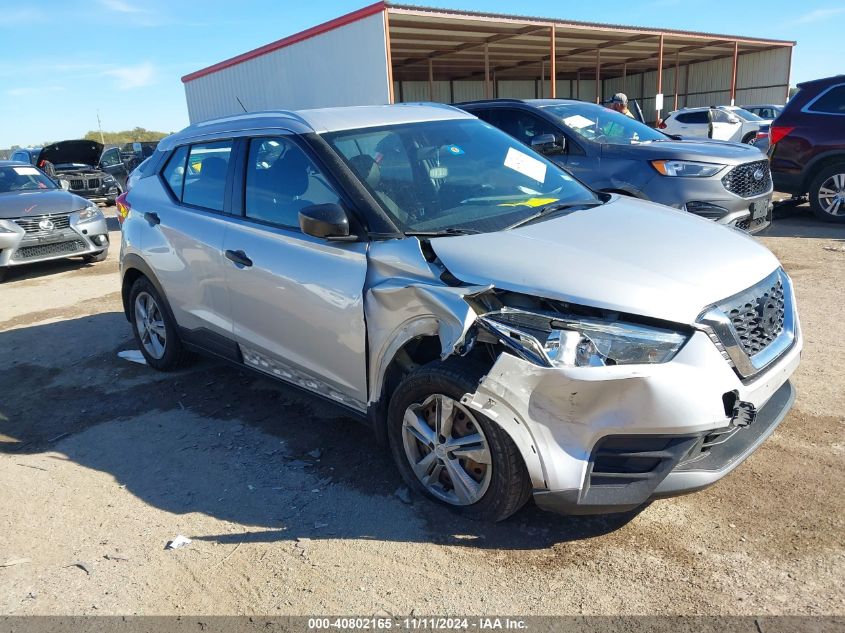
(23,178)
(603,125)
(745,114)
(455,175)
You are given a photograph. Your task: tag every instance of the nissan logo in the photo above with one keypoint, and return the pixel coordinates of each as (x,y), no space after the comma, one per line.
(758,175)
(46,225)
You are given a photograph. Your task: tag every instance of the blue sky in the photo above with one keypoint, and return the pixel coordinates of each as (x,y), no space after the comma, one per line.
(64,61)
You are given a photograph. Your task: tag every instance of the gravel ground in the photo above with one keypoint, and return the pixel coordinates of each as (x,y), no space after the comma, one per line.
(103,461)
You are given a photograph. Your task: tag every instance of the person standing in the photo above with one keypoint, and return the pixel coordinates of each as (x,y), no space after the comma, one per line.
(619,103)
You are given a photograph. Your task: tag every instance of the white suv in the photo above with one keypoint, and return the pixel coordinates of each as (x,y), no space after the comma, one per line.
(504,329)
(728,123)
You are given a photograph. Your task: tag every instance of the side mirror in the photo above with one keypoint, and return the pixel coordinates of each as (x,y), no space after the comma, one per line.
(64,184)
(548,144)
(734,120)
(326,221)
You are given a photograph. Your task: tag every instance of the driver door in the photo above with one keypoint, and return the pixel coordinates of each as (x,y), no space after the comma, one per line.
(297,300)
(725,127)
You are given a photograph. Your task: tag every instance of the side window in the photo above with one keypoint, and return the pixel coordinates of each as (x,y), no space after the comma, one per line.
(174,172)
(281,180)
(523,126)
(830,102)
(205,175)
(693,117)
(110,158)
(720,116)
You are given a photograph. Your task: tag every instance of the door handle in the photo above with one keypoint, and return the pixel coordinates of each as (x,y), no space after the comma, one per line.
(152,218)
(239,258)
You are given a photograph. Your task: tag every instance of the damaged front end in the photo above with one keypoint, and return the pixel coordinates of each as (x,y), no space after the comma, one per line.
(607,409)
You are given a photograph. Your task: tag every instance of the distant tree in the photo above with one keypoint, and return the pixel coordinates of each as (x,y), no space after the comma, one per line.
(792,92)
(126,136)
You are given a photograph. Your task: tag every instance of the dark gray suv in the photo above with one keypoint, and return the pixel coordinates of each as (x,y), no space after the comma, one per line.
(726,182)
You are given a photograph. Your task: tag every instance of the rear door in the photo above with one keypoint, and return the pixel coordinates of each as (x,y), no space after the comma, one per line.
(695,123)
(297,301)
(184,242)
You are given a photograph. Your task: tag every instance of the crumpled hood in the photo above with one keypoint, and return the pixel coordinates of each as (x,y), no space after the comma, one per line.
(627,255)
(84,152)
(31,203)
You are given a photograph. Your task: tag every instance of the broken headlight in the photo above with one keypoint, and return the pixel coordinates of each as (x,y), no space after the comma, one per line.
(555,341)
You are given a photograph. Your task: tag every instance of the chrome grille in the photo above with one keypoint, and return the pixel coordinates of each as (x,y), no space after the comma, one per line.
(93,183)
(77,183)
(759,319)
(31,225)
(49,250)
(754,327)
(749,180)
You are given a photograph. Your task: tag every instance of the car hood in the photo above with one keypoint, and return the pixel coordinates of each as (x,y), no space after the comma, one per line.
(627,255)
(723,152)
(31,203)
(83,152)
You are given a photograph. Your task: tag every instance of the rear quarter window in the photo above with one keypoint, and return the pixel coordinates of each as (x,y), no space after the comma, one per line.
(831,101)
(174,171)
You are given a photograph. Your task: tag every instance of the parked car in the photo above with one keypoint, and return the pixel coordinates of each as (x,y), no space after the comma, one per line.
(80,163)
(807,150)
(611,152)
(767,111)
(728,123)
(506,330)
(26,155)
(40,221)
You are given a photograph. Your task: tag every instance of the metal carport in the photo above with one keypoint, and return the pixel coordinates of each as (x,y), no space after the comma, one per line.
(388,52)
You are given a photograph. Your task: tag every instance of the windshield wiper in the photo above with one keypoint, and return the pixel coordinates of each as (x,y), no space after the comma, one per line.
(554,208)
(442,232)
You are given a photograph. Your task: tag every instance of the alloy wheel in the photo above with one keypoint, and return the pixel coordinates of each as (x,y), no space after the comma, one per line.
(832,195)
(149,322)
(447,450)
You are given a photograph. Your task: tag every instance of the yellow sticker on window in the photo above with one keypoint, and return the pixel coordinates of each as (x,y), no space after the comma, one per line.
(531,202)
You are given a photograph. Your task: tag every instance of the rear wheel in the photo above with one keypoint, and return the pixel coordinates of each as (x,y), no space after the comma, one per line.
(155,332)
(450,453)
(3,272)
(827,193)
(748,139)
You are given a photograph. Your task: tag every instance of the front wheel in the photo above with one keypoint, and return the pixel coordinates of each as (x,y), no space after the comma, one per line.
(827,193)
(450,453)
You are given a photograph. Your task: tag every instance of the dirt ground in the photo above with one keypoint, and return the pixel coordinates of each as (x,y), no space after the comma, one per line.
(103,461)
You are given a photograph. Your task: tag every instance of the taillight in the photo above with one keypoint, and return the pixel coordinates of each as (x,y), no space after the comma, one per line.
(123,207)
(661,125)
(777,132)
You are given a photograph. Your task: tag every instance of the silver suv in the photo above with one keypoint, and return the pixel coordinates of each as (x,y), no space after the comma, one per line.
(506,331)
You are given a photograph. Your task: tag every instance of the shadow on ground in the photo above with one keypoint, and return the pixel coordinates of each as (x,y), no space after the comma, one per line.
(227,443)
(799,221)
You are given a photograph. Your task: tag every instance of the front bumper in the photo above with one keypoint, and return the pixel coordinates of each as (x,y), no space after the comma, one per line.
(708,198)
(560,418)
(20,247)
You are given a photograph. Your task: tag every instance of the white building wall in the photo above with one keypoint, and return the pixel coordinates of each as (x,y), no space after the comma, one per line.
(344,66)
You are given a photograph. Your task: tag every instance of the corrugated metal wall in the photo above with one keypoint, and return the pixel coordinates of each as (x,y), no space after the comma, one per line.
(345,66)
(761,78)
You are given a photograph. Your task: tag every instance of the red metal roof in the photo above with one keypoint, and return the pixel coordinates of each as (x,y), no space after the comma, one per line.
(292,39)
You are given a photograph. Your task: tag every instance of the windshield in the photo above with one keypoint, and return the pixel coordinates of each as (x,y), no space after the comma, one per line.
(745,114)
(23,178)
(454,175)
(602,125)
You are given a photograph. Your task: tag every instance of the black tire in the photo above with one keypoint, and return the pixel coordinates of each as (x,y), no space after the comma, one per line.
(509,486)
(748,139)
(3,272)
(815,186)
(96,258)
(175,355)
